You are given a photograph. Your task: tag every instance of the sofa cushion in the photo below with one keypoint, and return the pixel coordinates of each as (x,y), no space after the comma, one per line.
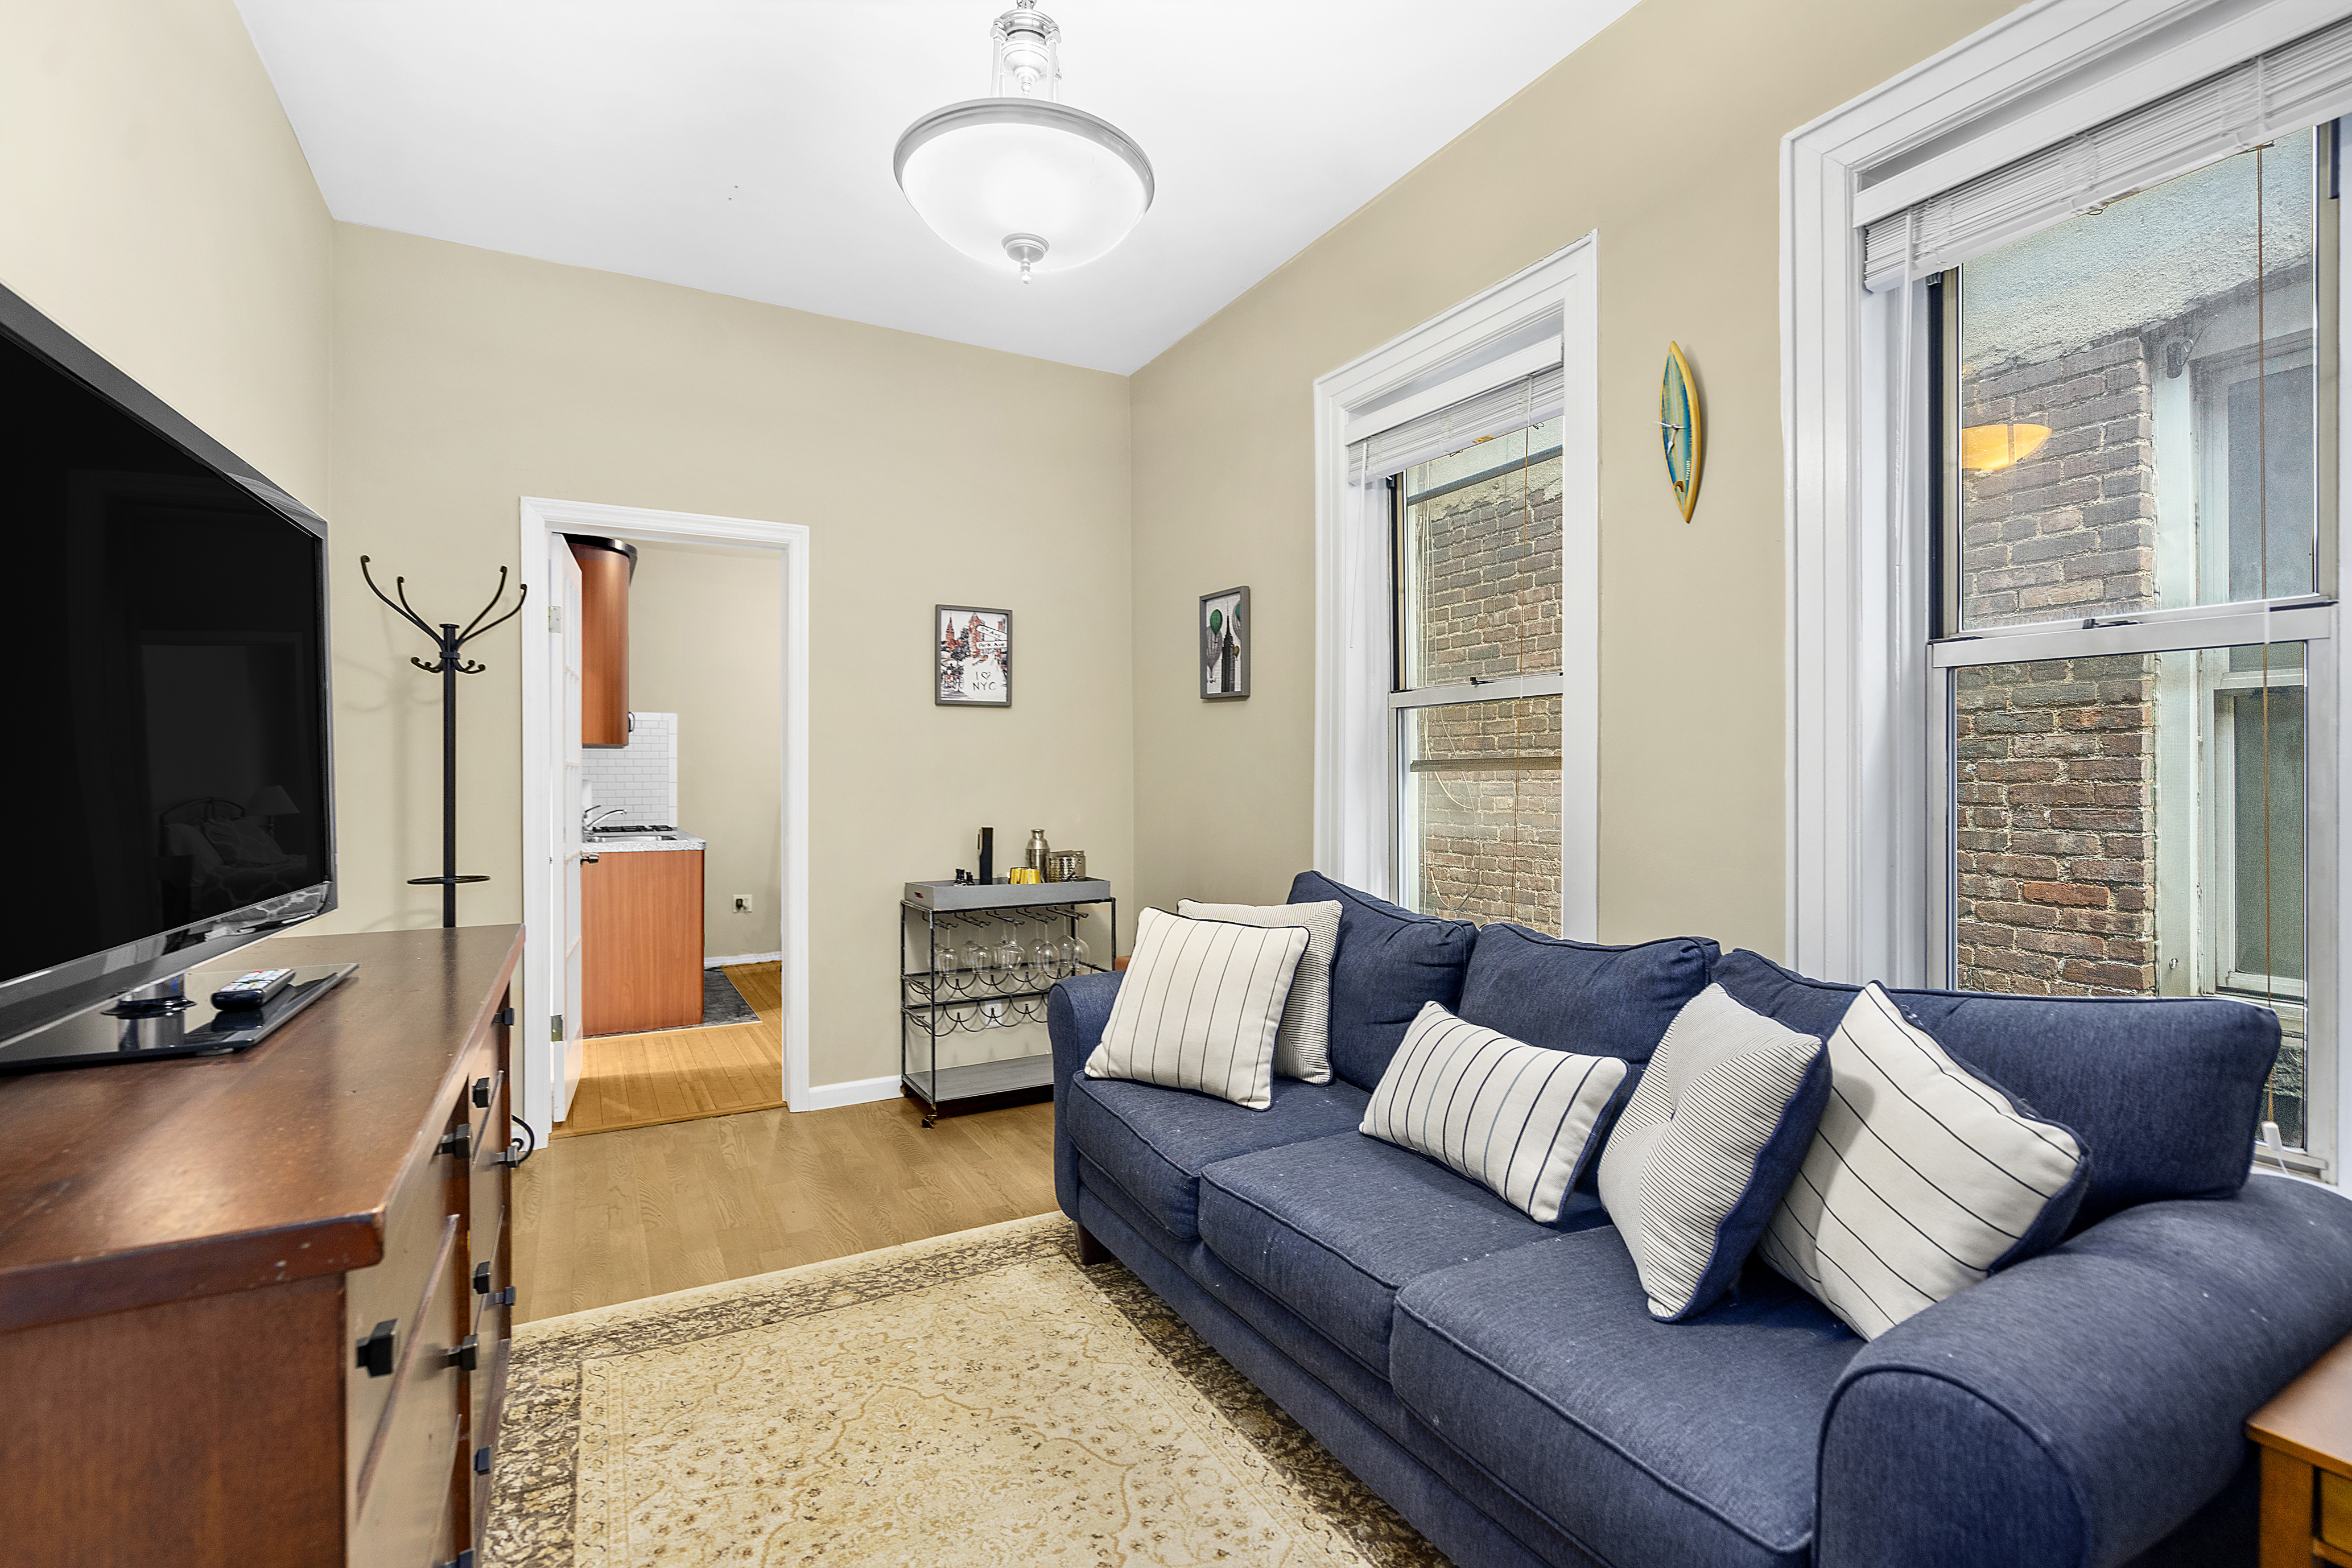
(1201,1006)
(1922,1180)
(1153,1142)
(1708,1145)
(1303,1048)
(1649,1442)
(2165,1092)
(1331,1228)
(1516,1120)
(1576,996)
(1389,962)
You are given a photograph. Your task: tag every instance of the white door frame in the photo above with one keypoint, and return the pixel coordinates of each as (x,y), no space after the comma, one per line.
(540,520)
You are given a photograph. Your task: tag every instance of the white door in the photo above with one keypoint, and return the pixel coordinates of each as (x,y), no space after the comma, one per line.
(563,858)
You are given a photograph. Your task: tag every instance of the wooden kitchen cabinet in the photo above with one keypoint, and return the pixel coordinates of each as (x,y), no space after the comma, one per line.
(641,941)
(606,566)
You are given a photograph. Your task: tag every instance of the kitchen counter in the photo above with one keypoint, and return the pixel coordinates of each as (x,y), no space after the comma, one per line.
(621,842)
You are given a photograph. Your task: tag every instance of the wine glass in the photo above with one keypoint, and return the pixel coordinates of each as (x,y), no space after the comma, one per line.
(1076,954)
(1008,960)
(1045,958)
(946,971)
(978,962)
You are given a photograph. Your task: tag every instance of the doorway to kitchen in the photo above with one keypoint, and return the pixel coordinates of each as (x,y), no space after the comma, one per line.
(664,817)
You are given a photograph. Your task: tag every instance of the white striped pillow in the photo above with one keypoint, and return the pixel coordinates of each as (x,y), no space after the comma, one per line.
(1515,1117)
(1303,1048)
(1922,1180)
(1200,1007)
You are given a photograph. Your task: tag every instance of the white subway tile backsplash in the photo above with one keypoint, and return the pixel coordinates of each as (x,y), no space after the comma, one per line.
(641,778)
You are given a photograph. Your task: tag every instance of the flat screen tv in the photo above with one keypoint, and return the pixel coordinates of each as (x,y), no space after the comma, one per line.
(170,779)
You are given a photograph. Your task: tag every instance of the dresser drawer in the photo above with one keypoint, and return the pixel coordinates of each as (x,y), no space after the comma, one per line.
(414,1226)
(403,1513)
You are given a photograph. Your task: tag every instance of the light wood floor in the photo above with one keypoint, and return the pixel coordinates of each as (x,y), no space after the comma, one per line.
(676,1075)
(634,1213)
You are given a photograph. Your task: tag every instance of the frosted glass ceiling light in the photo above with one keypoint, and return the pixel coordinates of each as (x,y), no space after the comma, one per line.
(1021,177)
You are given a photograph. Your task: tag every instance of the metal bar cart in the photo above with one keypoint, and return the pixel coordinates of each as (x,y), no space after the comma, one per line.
(941,994)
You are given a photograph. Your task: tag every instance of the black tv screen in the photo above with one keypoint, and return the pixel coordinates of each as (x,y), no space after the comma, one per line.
(173,781)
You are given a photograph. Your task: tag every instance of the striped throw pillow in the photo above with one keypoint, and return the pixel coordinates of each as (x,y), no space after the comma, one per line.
(1707,1147)
(1516,1118)
(1303,1048)
(1200,1007)
(1922,1180)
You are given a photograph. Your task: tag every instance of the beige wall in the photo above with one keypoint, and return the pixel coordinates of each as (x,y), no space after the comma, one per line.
(154,203)
(926,471)
(706,643)
(1663,134)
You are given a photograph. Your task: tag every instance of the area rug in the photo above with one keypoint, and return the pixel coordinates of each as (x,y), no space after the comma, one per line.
(721,1003)
(974,1399)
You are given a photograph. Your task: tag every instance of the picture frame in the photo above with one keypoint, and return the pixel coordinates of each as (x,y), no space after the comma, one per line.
(1224,661)
(972,657)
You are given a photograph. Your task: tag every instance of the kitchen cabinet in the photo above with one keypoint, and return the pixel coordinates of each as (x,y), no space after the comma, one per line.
(640,941)
(606,566)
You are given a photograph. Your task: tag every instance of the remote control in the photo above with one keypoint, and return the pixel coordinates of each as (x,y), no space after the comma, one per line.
(252,990)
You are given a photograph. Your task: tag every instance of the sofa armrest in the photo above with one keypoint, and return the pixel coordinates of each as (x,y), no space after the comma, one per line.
(2075,1409)
(1076,1012)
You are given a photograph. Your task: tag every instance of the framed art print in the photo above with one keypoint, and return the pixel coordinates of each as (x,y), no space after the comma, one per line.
(1224,643)
(973,648)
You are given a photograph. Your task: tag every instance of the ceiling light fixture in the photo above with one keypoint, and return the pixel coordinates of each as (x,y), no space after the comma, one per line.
(1021,176)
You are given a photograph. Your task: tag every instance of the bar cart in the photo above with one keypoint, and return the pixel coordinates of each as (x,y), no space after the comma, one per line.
(974,956)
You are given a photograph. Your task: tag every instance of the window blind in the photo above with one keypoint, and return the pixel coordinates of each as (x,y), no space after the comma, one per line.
(1515,404)
(2292,87)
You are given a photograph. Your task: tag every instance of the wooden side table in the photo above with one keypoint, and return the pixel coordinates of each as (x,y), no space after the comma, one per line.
(2305,1436)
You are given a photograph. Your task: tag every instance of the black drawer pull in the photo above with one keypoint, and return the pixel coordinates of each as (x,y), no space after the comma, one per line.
(482,1093)
(482,1461)
(460,1143)
(466,1354)
(375,1350)
(481,1278)
(504,1298)
(463,1560)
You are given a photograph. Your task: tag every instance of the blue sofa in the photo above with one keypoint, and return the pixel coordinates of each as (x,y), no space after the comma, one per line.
(1502,1383)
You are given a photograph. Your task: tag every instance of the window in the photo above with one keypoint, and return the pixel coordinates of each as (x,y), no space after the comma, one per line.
(1476,645)
(1457,607)
(2135,539)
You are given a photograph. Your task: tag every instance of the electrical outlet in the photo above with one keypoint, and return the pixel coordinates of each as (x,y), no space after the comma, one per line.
(744,904)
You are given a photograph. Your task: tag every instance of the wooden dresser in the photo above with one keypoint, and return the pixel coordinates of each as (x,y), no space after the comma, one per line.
(254,1309)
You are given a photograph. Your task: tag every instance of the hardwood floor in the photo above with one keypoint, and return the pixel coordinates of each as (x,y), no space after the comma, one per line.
(677,1075)
(633,1213)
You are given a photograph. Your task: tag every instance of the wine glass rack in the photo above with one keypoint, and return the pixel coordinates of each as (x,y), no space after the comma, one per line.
(942,996)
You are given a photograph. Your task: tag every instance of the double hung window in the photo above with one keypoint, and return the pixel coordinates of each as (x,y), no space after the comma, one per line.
(1476,690)
(2133,425)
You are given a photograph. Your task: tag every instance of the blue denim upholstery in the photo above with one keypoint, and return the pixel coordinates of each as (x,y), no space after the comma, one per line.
(1076,1009)
(1648,1442)
(2164,1093)
(1389,962)
(1153,1140)
(2083,1407)
(1332,1227)
(1576,996)
(2100,1390)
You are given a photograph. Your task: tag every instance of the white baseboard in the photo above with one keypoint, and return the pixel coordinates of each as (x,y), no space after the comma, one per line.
(856,1091)
(742,958)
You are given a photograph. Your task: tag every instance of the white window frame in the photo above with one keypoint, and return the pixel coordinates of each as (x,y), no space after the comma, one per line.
(1860,743)
(1478,345)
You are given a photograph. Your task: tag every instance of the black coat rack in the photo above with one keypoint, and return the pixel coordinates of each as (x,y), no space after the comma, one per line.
(448,667)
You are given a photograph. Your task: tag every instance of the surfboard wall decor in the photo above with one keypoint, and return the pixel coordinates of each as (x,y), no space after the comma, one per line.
(1679,429)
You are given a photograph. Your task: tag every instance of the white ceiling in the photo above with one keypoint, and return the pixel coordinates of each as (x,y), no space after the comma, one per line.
(743,146)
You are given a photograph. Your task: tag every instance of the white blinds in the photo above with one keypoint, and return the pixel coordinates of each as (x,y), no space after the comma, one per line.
(2296,84)
(1513,406)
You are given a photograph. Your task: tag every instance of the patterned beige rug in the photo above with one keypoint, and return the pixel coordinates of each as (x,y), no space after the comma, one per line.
(974,1399)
